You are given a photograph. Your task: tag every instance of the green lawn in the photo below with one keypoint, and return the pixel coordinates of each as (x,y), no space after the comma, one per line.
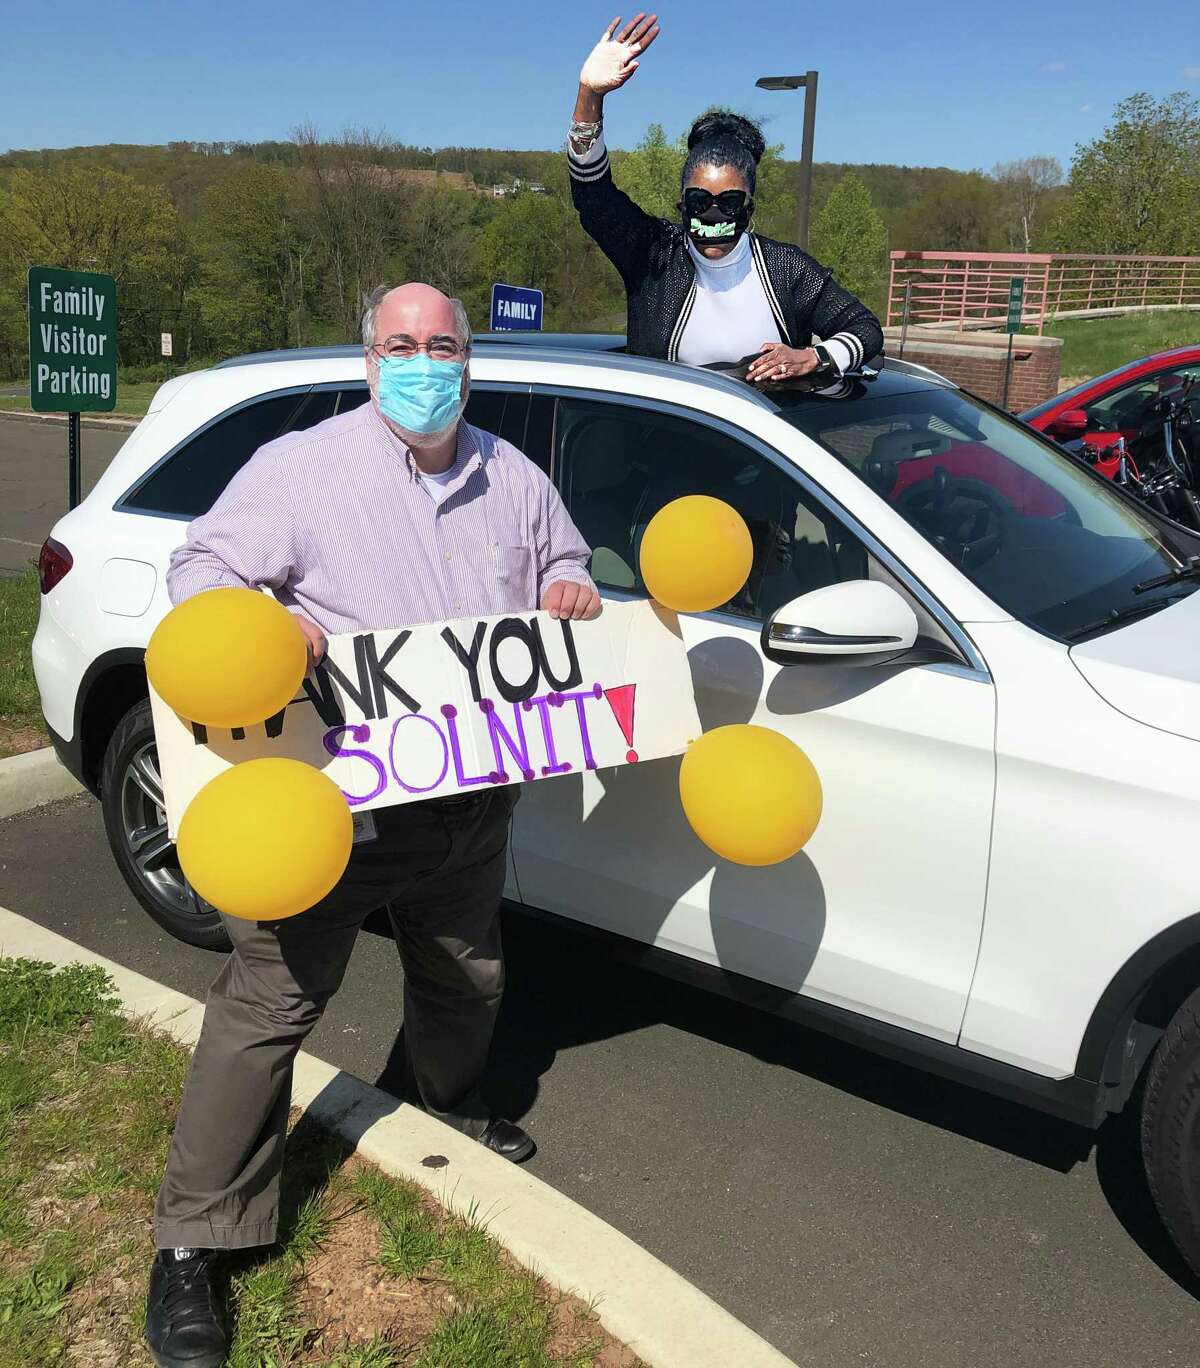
(20,710)
(368,1271)
(132,400)
(1092,346)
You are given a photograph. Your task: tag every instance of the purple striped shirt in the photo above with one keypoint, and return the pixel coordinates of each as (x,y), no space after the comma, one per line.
(337,521)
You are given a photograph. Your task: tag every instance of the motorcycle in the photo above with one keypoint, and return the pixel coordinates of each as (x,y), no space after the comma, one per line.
(1159,464)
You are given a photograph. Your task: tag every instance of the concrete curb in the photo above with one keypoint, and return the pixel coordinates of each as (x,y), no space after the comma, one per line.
(123,424)
(33,779)
(641,1301)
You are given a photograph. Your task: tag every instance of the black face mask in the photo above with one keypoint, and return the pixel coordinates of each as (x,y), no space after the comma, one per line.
(715,220)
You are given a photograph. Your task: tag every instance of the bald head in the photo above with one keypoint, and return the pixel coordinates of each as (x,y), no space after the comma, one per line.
(416,310)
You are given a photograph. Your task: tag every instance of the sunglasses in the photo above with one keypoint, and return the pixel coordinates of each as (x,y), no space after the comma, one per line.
(730,202)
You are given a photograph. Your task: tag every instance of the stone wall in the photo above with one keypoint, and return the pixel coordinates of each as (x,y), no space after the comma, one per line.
(975,360)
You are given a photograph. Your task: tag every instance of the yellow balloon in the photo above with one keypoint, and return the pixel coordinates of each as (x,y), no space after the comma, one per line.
(266,839)
(696,554)
(227,658)
(750,794)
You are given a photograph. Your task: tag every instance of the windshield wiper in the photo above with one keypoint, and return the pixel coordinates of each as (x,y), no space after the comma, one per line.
(1190,569)
(1131,610)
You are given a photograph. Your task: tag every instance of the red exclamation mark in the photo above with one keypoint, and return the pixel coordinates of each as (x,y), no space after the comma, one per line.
(620,700)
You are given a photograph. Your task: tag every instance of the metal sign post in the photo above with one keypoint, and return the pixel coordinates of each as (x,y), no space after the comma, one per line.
(72,352)
(904,317)
(1016,311)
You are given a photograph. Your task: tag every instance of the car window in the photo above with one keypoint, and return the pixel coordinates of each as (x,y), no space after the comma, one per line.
(501,412)
(617,466)
(1051,543)
(189,481)
(539,431)
(352,397)
(1128,408)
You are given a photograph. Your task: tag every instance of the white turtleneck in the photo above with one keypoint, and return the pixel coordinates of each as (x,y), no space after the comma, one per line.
(731,317)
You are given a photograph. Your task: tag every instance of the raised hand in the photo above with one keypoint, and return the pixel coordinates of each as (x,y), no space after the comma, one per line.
(614,58)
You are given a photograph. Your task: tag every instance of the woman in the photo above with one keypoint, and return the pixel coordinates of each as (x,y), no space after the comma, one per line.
(706,289)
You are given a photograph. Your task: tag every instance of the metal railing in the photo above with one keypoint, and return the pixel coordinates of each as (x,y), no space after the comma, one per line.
(970,289)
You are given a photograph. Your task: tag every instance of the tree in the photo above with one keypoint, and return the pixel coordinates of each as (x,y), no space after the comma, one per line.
(356,203)
(95,220)
(651,174)
(956,212)
(848,235)
(1024,186)
(536,240)
(1134,190)
(256,234)
(438,228)
(775,196)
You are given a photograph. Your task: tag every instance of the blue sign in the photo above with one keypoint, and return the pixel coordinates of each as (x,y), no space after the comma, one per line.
(516,309)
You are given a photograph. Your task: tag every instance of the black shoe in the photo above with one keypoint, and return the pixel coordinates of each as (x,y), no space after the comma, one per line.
(507,1140)
(185,1322)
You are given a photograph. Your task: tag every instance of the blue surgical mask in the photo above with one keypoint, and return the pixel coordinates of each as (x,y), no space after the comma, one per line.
(420,394)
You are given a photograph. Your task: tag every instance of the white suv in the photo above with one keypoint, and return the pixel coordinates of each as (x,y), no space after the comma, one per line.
(999,889)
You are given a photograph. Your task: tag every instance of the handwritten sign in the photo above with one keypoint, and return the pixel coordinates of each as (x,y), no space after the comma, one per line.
(424,712)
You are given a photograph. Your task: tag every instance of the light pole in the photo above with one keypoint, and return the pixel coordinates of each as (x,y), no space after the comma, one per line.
(804,189)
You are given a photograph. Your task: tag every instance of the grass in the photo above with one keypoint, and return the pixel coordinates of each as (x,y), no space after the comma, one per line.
(132,401)
(1092,346)
(20,709)
(368,1271)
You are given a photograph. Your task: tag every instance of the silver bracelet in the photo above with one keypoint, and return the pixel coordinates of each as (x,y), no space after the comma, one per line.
(583,135)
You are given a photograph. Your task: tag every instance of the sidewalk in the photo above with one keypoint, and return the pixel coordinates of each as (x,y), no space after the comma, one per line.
(639,1300)
(123,422)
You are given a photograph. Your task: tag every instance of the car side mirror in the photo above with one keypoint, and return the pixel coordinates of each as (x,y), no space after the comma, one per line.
(1071,423)
(860,622)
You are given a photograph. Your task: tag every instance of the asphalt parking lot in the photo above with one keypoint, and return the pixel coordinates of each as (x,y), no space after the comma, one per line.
(851,1210)
(33,481)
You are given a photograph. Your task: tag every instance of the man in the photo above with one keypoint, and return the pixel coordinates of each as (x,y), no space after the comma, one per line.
(394,514)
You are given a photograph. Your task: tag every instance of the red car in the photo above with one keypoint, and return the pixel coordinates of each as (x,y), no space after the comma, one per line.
(1111,406)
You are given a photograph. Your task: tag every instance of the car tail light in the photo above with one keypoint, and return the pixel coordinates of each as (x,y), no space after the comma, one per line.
(53,563)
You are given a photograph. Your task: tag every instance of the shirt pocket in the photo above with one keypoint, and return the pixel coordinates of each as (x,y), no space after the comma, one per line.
(512,567)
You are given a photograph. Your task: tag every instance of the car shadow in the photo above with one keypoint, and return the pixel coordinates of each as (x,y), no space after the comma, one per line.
(565,992)
(566,989)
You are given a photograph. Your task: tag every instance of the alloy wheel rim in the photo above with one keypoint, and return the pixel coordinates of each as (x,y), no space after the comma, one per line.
(144,829)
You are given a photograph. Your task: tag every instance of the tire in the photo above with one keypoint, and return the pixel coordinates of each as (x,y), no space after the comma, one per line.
(136,824)
(1171,1129)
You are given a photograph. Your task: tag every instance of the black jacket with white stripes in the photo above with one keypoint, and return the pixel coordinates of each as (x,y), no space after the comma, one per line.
(651,256)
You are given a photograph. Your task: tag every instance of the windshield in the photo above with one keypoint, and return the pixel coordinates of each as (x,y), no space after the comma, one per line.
(1065,396)
(1051,543)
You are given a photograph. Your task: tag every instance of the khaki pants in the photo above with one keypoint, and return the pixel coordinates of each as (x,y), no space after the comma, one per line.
(439,869)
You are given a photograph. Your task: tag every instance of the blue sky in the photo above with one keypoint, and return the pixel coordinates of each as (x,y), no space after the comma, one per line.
(962,85)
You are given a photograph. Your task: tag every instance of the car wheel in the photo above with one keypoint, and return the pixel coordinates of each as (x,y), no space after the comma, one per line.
(136,821)
(1171,1129)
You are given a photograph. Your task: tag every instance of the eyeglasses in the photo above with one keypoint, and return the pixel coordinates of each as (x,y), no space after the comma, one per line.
(401,347)
(730,202)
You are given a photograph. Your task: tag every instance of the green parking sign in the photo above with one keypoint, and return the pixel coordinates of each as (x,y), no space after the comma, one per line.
(72,341)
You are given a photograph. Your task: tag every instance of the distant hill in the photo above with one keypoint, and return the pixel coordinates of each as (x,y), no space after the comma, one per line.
(185,167)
